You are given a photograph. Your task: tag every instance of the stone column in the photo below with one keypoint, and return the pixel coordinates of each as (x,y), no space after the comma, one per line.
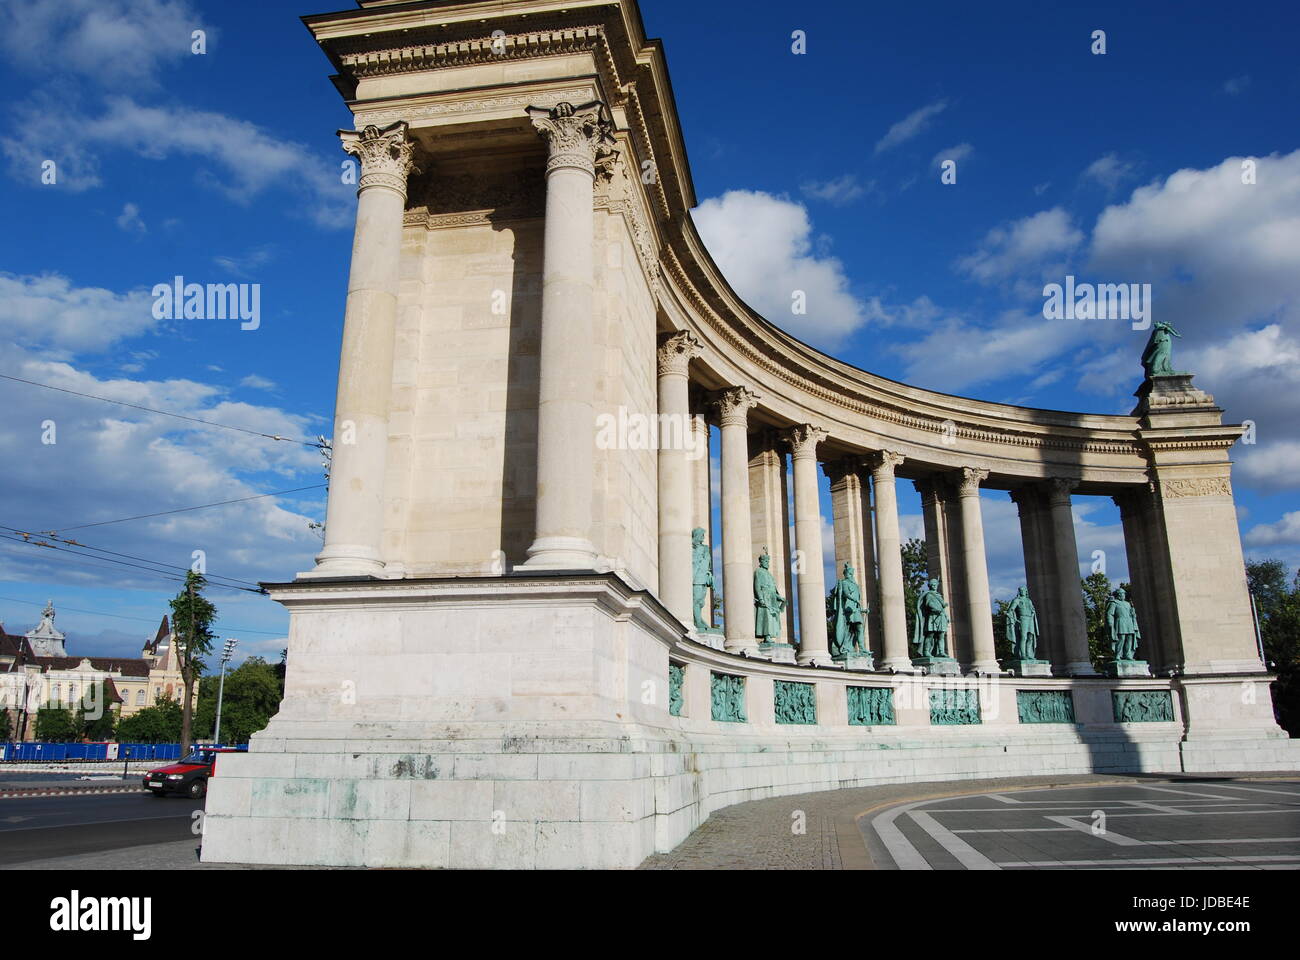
(737,548)
(1071,620)
(565,410)
(1038,565)
(769,510)
(354,523)
(1134,508)
(870,578)
(676,351)
(702,486)
(813,647)
(893,617)
(855,538)
(940,554)
(984,658)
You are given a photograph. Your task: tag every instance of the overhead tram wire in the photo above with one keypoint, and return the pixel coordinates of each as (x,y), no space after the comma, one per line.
(26,535)
(201,506)
(121,616)
(315,444)
(69,553)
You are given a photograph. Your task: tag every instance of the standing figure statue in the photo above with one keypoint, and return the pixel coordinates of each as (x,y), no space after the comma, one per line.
(1159,349)
(1122,626)
(930,633)
(701,577)
(845,610)
(768,604)
(1022,626)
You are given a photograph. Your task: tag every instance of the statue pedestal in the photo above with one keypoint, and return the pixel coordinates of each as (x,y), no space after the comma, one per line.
(938,666)
(777,652)
(1170,393)
(714,639)
(857,661)
(1126,668)
(1030,668)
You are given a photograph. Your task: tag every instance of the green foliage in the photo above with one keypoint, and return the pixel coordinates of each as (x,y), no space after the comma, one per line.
(1096,591)
(1001,646)
(57,725)
(1277,604)
(252,696)
(914,576)
(160,723)
(96,716)
(192,616)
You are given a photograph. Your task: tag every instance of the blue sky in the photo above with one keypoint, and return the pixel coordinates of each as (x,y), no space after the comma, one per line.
(815,171)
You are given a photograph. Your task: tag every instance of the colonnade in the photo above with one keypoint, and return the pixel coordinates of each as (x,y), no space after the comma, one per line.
(754,480)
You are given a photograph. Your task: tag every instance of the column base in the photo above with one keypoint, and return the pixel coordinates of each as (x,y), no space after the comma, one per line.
(711,638)
(745,648)
(898,665)
(561,553)
(1080,669)
(1030,668)
(345,560)
(817,658)
(988,668)
(777,652)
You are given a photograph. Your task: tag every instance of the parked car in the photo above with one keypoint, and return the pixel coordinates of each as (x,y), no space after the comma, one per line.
(188,777)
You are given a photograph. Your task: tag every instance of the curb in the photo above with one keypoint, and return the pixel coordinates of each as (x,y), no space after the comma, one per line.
(64,791)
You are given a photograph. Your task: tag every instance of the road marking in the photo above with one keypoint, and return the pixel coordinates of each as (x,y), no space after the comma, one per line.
(1003,799)
(1147,860)
(1293,794)
(905,856)
(1019,830)
(967,855)
(1110,836)
(1158,807)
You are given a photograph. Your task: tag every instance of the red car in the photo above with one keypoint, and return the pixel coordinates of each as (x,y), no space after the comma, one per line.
(187,777)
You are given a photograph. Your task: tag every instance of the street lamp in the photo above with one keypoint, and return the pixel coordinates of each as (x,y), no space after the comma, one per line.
(227,652)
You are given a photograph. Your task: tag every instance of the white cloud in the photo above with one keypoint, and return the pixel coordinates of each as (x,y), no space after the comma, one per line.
(1109,171)
(1237,85)
(764,246)
(910,126)
(1040,241)
(246,160)
(1285,532)
(254,382)
(1270,465)
(840,192)
(49,312)
(956,154)
(112,41)
(129,220)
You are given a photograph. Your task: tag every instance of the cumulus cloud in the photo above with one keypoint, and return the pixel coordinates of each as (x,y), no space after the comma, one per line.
(1109,171)
(129,220)
(910,126)
(113,41)
(1285,532)
(49,312)
(245,161)
(764,246)
(840,192)
(1038,242)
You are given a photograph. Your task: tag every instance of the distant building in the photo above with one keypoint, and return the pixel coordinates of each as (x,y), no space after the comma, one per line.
(36,671)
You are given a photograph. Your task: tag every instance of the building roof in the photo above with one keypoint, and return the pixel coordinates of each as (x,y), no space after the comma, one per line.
(161,639)
(127,667)
(14,646)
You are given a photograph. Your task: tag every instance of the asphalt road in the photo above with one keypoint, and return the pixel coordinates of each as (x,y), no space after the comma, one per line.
(41,827)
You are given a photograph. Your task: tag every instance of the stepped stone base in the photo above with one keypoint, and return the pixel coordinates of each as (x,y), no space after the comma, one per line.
(524,723)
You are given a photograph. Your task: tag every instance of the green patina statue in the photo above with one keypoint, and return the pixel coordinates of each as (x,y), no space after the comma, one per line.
(1122,626)
(1159,350)
(701,577)
(1022,626)
(930,632)
(844,609)
(768,603)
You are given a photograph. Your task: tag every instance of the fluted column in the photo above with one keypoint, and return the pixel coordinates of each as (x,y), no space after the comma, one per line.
(808,539)
(565,411)
(354,523)
(984,658)
(676,351)
(893,616)
(1073,623)
(737,550)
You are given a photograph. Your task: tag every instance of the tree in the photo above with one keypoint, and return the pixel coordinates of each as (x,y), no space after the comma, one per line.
(1001,646)
(1277,605)
(192,616)
(96,714)
(160,723)
(253,693)
(1096,593)
(57,725)
(915,574)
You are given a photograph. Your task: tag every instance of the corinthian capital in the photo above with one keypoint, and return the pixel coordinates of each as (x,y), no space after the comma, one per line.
(676,351)
(581,137)
(1059,490)
(804,439)
(969,480)
(883,462)
(386,155)
(734,405)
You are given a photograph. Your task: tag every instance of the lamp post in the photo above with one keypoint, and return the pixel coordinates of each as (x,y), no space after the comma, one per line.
(226,653)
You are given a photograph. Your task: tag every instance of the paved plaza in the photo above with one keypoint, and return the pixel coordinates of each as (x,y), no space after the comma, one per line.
(1083,822)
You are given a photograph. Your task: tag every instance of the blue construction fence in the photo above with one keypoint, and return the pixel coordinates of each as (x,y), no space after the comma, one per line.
(33,752)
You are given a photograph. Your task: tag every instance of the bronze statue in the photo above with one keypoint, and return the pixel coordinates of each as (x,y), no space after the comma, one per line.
(768,603)
(844,608)
(930,632)
(1122,626)
(1022,626)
